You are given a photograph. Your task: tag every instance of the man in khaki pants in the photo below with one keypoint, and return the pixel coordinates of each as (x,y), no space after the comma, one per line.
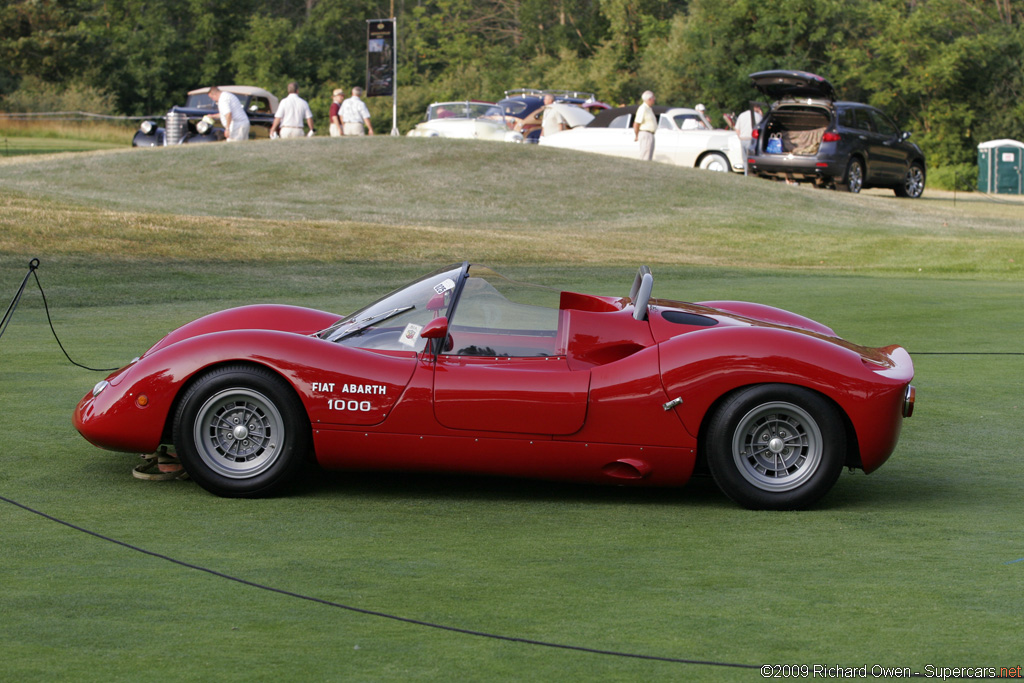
(645,124)
(290,114)
(355,117)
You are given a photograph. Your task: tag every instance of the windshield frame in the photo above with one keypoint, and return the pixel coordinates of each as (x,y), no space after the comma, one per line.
(449,279)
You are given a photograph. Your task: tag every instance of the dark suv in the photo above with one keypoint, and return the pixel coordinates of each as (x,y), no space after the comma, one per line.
(807,136)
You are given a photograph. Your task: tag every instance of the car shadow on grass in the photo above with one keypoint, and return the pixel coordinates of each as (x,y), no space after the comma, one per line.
(700,491)
(851,493)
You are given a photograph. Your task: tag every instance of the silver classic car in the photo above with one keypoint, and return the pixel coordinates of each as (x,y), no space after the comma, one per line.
(468,119)
(684,138)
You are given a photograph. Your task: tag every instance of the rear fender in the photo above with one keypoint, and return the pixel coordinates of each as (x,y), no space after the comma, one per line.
(703,366)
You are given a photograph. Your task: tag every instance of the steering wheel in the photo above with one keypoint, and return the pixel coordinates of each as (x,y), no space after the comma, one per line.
(640,293)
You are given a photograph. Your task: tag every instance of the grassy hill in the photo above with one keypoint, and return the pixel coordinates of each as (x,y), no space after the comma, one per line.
(445,200)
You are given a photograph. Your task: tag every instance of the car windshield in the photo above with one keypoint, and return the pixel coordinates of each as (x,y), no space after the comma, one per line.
(200,101)
(463,110)
(517,107)
(394,322)
(494,316)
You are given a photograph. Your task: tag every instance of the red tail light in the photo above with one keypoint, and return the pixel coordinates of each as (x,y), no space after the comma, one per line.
(755,134)
(830,137)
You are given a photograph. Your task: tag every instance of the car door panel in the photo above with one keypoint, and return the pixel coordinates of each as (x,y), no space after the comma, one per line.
(515,395)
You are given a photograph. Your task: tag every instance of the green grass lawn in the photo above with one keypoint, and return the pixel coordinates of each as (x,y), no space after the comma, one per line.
(919,564)
(19,146)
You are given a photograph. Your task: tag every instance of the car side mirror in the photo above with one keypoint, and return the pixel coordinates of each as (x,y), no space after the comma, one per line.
(905,136)
(435,329)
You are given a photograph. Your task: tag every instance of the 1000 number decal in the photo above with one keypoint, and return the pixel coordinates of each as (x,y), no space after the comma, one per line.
(351,406)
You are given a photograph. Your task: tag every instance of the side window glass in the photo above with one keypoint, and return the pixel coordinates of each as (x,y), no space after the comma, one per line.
(502,318)
(847,118)
(620,121)
(883,124)
(864,120)
(665,122)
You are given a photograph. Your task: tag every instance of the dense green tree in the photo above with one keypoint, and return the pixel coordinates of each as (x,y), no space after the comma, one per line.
(950,70)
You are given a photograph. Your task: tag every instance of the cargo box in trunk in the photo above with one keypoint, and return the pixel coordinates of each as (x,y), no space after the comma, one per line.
(799,128)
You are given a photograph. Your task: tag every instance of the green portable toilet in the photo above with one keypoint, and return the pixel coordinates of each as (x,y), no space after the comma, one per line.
(1000,167)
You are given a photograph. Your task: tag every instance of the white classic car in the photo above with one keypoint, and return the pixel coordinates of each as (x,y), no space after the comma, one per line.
(478,120)
(684,138)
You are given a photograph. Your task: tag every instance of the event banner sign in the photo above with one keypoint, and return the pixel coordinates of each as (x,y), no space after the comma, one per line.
(380,57)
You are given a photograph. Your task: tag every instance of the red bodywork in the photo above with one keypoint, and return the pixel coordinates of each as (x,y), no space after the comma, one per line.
(592,408)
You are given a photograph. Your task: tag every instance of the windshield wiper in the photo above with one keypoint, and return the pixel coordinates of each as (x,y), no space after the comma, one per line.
(362,323)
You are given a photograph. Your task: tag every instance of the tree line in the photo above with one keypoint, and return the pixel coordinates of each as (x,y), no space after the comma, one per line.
(951,71)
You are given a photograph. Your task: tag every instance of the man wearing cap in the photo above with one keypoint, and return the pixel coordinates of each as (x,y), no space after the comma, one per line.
(645,123)
(231,113)
(290,113)
(337,97)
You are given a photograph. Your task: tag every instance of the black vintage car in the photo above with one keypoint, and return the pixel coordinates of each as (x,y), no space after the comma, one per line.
(809,136)
(187,123)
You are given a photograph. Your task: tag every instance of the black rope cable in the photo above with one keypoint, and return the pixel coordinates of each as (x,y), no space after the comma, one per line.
(966,353)
(33,265)
(374,613)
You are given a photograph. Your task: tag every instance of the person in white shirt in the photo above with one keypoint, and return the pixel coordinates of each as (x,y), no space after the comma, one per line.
(231,113)
(645,125)
(355,117)
(745,125)
(289,115)
(552,121)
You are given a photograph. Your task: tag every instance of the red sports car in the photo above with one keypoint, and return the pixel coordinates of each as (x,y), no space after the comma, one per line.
(467,371)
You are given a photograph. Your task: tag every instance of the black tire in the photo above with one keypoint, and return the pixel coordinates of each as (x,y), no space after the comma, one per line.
(776,446)
(853,180)
(241,432)
(913,183)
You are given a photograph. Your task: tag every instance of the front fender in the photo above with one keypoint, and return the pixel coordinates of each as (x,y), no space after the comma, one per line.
(257,317)
(154,139)
(326,377)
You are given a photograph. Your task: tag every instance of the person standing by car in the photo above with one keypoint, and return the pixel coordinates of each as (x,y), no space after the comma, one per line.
(645,123)
(552,121)
(355,117)
(746,124)
(337,97)
(231,113)
(290,113)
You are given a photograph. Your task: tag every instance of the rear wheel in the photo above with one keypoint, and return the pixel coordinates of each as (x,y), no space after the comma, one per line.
(776,446)
(913,183)
(241,431)
(854,179)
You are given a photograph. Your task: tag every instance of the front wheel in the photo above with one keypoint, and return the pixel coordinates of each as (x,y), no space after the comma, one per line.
(715,162)
(776,447)
(241,432)
(913,183)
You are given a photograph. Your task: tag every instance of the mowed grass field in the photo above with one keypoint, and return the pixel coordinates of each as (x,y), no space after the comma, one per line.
(919,565)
